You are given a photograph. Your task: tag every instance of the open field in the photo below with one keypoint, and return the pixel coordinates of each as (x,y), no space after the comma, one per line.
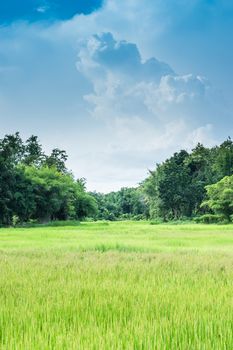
(125,285)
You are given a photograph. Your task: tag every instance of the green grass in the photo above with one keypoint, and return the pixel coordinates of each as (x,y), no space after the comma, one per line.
(125,285)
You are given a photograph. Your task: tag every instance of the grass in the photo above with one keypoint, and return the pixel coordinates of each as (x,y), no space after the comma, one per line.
(125,285)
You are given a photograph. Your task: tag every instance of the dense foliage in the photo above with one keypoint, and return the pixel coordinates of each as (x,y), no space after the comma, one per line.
(220,199)
(177,188)
(36,186)
(128,203)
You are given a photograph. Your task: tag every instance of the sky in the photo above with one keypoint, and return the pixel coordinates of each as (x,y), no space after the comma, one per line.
(120,85)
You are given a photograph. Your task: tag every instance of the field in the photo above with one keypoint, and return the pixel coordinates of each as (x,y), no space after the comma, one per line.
(128,285)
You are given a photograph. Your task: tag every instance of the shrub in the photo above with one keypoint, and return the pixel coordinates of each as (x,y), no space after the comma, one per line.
(211,219)
(15,220)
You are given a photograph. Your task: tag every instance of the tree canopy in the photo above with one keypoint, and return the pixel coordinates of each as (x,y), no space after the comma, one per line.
(177,187)
(220,198)
(36,186)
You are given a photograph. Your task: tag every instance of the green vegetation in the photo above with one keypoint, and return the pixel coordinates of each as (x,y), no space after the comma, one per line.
(38,187)
(124,285)
(177,188)
(128,203)
(220,198)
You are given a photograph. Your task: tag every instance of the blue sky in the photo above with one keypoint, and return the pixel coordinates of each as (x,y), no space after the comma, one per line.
(119,84)
(38,10)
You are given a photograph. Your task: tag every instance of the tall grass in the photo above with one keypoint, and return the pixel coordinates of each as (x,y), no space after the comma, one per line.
(119,286)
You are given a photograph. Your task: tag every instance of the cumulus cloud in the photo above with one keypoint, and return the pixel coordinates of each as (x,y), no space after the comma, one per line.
(146,109)
(121,57)
(126,86)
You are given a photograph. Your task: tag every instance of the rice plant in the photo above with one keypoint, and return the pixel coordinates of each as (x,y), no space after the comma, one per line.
(117,286)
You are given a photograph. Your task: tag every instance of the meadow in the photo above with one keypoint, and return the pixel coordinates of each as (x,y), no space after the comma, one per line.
(121,285)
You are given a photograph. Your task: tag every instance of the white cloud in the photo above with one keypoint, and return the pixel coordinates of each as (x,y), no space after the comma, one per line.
(119,112)
(135,21)
(126,87)
(146,110)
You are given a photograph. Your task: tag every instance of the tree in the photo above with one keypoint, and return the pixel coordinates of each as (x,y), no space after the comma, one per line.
(33,154)
(49,189)
(220,197)
(36,186)
(57,196)
(12,148)
(200,163)
(85,206)
(57,159)
(223,162)
(11,153)
(169,189)
(7,183)
(126,203)
(176,188)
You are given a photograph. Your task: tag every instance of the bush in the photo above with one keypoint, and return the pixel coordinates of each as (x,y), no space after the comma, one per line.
(15,220)
(211,219)
(138,217)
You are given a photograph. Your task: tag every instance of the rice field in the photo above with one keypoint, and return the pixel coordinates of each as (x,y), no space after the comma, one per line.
(124,285)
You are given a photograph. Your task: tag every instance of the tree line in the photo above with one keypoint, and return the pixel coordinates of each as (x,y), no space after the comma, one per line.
(189,185)
(36,187)
(126,204)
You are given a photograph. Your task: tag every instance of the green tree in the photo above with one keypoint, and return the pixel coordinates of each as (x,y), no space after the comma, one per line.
(50,188)
(223,161)
(12,148)
(36,186)
(7,183)
(123,204)
(57,159)
(220,197)
(200,163)
(57,196)
(33,153)
(11,153)
(169,189)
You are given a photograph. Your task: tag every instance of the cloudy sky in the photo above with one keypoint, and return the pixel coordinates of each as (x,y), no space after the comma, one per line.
(118,84)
